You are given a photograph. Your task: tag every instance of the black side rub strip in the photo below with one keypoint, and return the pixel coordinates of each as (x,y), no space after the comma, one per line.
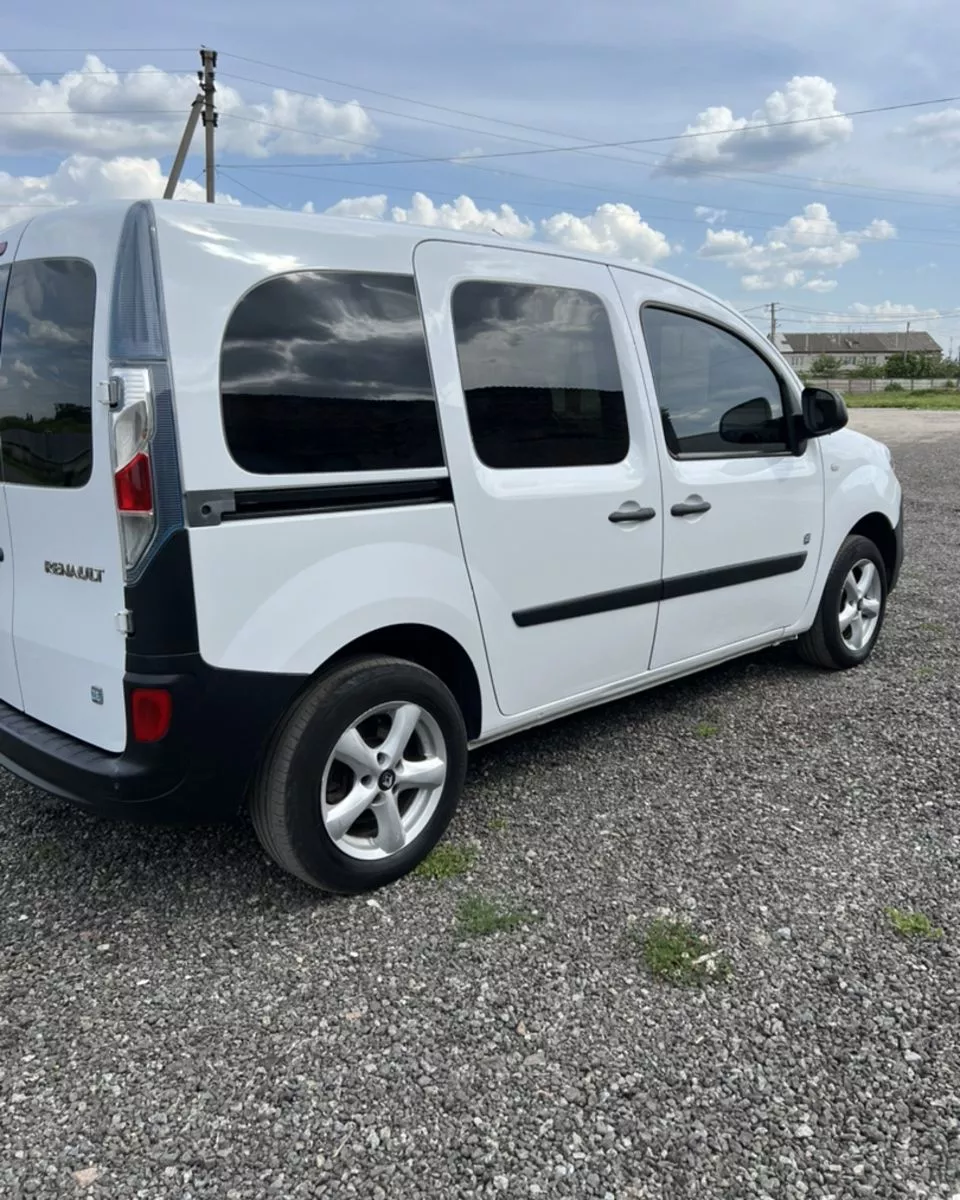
(210,508)
(664,589)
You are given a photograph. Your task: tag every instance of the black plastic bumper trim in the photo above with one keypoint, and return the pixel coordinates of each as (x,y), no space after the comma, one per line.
(222,721)
(663,589)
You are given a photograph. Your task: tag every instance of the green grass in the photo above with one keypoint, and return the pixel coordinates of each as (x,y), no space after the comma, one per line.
(497,824)
(706,730)
(925,674)
(446,861)
(675,952)
(933,627)
(477,917)
(913,924)
(938,401)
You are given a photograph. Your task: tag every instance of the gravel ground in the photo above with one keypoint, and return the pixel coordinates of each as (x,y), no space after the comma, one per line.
(178,1020)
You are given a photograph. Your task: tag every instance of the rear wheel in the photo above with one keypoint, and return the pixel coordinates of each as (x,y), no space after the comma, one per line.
(852,609)
(363,777)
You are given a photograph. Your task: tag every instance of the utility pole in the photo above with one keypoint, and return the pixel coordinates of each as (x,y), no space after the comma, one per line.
(203,104)
(773,306)
(184,148)
(207,87)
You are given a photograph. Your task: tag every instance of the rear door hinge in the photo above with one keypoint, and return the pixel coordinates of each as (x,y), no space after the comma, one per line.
(124,622)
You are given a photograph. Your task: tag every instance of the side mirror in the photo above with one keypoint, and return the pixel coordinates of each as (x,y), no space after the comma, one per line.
(751,423)
(823,411)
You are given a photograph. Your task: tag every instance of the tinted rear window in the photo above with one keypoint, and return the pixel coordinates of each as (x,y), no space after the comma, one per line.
(46,373)
(327,371)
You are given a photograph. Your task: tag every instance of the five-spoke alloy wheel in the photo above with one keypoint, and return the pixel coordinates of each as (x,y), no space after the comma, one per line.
(364,775)
(851,609)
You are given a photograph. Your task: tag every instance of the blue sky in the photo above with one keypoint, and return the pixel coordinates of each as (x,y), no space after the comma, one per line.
(845,222)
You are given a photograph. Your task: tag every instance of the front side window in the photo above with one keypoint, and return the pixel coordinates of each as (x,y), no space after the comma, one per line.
(326,371)
(717,396)
(46,373)
(540,376)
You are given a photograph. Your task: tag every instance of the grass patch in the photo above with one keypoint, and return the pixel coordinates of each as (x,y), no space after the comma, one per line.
(913,924)
(933,627)
(707,730)
(446,861)
(48,852)
(675,952)
(937,401)
(925,674)
(477,917)
(497,824)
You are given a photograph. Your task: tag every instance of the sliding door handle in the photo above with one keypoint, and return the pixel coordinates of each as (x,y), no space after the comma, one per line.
(624,516)
(690,508)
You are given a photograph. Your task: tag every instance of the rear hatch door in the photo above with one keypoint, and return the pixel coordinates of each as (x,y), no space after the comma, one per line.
(58,476)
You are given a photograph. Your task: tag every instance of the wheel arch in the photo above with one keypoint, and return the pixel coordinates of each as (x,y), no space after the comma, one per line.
(878,529)
(431,649)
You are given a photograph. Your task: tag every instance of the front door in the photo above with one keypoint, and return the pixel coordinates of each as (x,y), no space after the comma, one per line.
(743,514)
(551,454)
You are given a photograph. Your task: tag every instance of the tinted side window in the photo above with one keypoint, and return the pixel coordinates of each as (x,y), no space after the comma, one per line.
(540,376)
(46,373)
(327,371)
(716,394)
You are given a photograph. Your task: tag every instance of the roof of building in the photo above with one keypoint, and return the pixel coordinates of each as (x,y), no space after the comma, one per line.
(917,342)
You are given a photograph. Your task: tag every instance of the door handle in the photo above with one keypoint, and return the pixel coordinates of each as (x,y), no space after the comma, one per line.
(624,516)
(689,508)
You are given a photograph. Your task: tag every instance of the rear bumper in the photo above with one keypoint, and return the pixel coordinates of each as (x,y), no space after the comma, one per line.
(222,721)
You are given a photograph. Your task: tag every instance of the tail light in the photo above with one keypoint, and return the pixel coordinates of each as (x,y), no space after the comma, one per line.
(132,395)
(151,710)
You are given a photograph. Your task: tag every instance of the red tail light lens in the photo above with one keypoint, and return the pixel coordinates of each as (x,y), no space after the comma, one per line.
(135,486)
(151,710)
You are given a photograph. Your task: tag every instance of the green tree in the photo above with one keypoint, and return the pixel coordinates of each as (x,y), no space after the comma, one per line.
(904,365)
(824,365)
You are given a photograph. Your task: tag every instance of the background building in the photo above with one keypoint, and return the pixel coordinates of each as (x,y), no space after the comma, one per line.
(801,350)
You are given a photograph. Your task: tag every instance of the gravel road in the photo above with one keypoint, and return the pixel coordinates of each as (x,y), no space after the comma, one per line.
(178,1020)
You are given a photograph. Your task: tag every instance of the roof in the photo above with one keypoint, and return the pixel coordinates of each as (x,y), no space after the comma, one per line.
(917,342)
(399,233)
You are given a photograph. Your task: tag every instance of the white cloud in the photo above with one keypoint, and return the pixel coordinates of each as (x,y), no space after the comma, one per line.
(710,215)
(615,229)
(941,127)
(888,309)
(82,178)
(99,111)
(372,208)
(763,139)
(464,214)
(878,231)
(811,241)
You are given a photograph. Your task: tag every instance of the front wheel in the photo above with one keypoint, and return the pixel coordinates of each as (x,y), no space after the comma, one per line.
(363,777)
(852,609)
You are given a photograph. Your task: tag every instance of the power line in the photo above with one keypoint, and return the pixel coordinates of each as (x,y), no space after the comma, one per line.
(80,71)
(554,133)
(676,137)
(104,50)
(93,112)
(604,190)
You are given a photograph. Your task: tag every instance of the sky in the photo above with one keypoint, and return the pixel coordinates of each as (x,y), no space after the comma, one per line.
(727,146)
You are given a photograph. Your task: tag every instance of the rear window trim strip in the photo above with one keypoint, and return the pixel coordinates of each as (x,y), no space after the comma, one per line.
(205,509)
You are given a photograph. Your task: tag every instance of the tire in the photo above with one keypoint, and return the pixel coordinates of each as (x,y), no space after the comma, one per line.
(352,740)
(833,646)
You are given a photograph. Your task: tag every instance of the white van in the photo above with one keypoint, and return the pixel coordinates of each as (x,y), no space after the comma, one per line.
(296,509)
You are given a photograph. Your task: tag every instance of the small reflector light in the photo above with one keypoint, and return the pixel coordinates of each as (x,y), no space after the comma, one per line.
(134,486)
(151,710)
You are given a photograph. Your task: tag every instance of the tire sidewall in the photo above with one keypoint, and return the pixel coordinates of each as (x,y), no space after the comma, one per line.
(334,710)
(852,551)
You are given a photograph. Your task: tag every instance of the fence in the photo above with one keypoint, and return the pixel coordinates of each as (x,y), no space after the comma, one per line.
(844,384)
